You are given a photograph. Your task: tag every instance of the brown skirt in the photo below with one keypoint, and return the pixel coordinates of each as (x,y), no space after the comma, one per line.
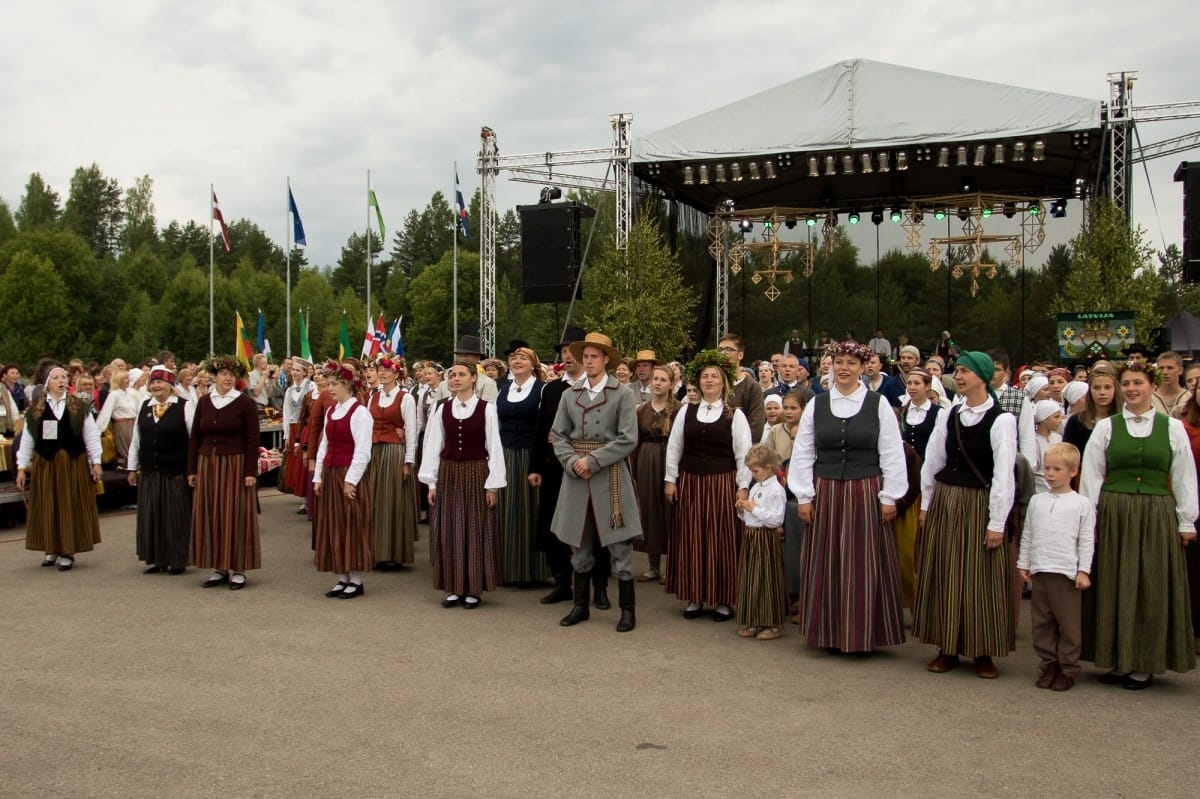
(62,506)
(122,433)
(343,526)
(463,530)
(652,505)
(703,552)
(395,504)
(224,517)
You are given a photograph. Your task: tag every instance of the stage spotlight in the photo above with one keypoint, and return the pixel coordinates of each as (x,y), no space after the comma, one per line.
(735,170)
(704,174)
(785,161)
(720,173)
(1018,152)
(549,194)
(964,214)
(769,168)
(882,158)
(1080,139)
(986,212)
(924,154)
(813,171)
(754,173)
(852,217)
(896,215)
(1010,210)
(830,170)
(1039,150)
(811,221)
(877,216)
(689,176)
(654,169)
(1058,208)
(980,153)
(943,156)
(745,226)
(967,185)
(998,154)
(961,151)
(866,164)
(847,164)
(901,161)
(939,214)
(790,222)
(1034,209)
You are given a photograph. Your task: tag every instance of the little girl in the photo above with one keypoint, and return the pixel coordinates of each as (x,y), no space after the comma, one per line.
(1047,416)
(761,601)
(781,438)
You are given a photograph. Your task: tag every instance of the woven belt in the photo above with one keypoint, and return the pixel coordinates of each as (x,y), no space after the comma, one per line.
(582,447)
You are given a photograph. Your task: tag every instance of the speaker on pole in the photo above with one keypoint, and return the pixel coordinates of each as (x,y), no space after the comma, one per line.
(550,250)
(1189,175)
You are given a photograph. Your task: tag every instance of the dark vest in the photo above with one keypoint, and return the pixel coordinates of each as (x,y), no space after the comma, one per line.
(918,435)
(70,430)
(464,439)
(339,438)
(163,445)
(847,449)
(707,447)
(977,441)
(517,419)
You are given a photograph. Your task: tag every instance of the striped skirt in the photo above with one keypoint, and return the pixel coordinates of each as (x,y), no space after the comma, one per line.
(224,517)
(294,476)
(122,433)
(164,515)
(761,598)
(850,575)
(343,526)
(653,507)
(963,603)
(62,517)
(516,523)
(463,530)
(907,524)
(702,552)
(394,509)
(1137,614)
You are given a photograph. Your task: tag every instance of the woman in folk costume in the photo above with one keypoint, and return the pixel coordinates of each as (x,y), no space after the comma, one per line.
(223,468)
(847,471)
(918,416)
(295,478)
(119,410)
(1139,472)
(463,465)
(967,490)
(649,468)
(313,433)
(705,476)
(59,460)
(517,506)
(158,467)
(393,453)
(341,489)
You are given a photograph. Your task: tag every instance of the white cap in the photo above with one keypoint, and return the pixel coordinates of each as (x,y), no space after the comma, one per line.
(1074,391)
(1044,409)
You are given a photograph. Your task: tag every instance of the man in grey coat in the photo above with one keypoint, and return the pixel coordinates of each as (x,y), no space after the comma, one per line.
(594,431)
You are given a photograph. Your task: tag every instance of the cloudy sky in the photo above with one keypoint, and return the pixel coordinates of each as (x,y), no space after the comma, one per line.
(243,95)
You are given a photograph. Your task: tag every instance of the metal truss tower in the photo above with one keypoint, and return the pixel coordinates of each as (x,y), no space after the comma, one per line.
(1119,120)
(489,154)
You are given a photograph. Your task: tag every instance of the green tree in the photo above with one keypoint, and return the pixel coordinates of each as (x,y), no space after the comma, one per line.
(430,332)
(184,305)
(34,299)
(39,206)
(139,228)
(180,240)
(351,269)
(8,227)
(94,211)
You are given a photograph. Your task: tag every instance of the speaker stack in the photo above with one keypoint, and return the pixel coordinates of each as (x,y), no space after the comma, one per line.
(1189,175)
(550,250)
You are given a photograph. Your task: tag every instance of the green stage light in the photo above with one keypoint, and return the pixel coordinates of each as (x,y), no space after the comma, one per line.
(852,217)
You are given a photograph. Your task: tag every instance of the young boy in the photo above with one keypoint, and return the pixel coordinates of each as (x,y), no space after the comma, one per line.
(1056,553)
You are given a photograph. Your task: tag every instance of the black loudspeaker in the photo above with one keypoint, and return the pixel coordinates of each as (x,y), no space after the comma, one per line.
(550,250)
(1189,175)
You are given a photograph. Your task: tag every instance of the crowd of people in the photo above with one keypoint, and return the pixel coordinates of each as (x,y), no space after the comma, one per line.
(871,495)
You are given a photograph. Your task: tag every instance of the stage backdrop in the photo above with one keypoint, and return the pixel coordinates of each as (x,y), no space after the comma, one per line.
(1100,334)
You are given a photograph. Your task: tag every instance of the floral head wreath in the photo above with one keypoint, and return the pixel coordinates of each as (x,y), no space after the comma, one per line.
(707,358)
(218,362)
(394,363)
(336,371)
(1148,368)
(851,348)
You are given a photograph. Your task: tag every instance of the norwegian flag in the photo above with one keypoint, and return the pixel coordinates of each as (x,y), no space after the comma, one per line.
(374,340)
(216,214)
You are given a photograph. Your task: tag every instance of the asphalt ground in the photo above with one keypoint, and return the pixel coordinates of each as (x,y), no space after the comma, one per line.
(117,684)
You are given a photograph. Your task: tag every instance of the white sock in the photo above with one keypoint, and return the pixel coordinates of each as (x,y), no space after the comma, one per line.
(691,606)
(472,600)
(1140,676)
(724,610)
(451,597)
(50,558)
(65,559)
(218,574)
(238,577)
(356,578)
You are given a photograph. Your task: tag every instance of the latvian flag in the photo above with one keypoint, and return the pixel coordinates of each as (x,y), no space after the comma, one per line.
(462,207)
(216,214)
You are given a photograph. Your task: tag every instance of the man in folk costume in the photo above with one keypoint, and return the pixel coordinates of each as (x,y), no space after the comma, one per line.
(594,431)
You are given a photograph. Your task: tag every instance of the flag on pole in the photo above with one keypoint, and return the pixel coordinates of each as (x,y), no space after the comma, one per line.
(261,337)
(462,207)
(372,201)
(343,340)
(374,338)
(297,225)
(243,347)
(305,349)
(395,341)
(217,215)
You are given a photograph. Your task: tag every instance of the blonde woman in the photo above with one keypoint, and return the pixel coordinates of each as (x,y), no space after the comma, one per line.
(120,411)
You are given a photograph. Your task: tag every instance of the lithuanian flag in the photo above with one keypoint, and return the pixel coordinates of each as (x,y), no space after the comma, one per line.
(243,347)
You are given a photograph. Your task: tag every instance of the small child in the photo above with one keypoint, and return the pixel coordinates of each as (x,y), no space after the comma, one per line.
(773,408)
(782,438)
(761,601)
(1056,553)
(1047,417)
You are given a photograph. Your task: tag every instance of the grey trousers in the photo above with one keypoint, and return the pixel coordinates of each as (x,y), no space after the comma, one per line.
(583,557)
(1055,608)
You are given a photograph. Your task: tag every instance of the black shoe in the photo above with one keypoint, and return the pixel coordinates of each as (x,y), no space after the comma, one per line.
(625,600)
(469,605)
(1114,678)
(1136,685)
(217,579)
(719,616)
(353,590)
(561,591)
(154,569)
(237,585)
(336,590)
(66,567)
(600,595)
(175,571)
(448,602)
(579,608)
(49,561)
(302,510)
(693,613)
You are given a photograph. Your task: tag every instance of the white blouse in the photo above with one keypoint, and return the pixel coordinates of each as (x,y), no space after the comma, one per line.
(362,425)
(219,400)
(707,413)
(189,414)
(770,505)
(408,412)
(916,414)
(121,403)
(1183,471)
(519,393)
(435,435)
(91,434)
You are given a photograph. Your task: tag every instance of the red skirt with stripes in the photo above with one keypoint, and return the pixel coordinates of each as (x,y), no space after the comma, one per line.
(224,516)
(345,541)
(463,530)
(702,553)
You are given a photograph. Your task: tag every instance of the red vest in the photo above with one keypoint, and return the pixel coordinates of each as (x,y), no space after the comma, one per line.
(464,439)
(389,421)
(339,438)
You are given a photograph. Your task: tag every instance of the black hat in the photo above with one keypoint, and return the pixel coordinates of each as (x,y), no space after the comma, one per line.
(570,336)
(469,345)
(514,345)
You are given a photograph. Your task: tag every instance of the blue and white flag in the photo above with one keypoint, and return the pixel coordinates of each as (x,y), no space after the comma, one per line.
(462,207)
(297,225)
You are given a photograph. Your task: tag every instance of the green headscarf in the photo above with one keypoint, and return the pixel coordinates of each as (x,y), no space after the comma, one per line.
(982,365)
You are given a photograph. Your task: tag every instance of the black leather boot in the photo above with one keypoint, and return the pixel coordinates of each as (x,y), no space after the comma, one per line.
(561,591)
(625,602)
(579,610)
(600,589)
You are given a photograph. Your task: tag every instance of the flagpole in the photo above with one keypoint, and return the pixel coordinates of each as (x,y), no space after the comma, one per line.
(454,229)
(211,340)
(287,219)
(368,249)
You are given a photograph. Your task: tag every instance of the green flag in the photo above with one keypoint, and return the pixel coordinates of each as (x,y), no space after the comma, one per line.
(344,350)
(378,214)
(305,350)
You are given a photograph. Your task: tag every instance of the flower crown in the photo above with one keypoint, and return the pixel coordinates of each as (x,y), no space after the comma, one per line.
(851,348)
(1148,368)
(394,363)
(707,358)
(336,371)
(216,363)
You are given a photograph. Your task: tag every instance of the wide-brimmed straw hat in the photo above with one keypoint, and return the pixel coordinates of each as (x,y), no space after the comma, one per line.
(647,356)
(598,340)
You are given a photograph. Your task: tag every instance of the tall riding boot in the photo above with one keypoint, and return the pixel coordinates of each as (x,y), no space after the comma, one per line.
(579,610)
(626,603)
(600,589)
(561,591)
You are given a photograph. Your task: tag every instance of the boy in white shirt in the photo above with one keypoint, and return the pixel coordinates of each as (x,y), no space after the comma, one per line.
(1056,554)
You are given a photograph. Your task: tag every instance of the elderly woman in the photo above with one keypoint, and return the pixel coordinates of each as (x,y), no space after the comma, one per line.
(223,468)
(59,442)
(705,476)
(393,453)
(847,471)
(158,466)
(517,503)
(341,491)
(1139,471)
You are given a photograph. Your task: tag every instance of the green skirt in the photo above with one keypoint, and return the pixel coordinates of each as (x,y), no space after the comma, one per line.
(1137,614)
